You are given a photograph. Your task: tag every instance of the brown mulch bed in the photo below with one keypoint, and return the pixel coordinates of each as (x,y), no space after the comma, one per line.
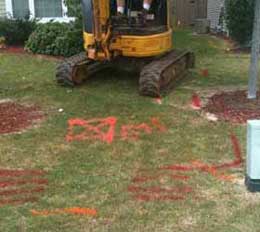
(15,117)
(234,106)
(13,49)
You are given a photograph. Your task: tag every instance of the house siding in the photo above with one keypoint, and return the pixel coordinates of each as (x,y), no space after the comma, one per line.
(214,10)
(2,8)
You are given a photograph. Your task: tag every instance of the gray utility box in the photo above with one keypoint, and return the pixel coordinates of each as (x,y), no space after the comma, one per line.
(202,26)
(253,156)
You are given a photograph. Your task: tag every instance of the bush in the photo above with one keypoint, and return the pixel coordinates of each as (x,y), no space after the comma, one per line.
(16,31)
(239,18)
(58,39)
(74,8)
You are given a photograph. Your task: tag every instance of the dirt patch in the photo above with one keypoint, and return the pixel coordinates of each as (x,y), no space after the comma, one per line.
(15,117)
(233,106)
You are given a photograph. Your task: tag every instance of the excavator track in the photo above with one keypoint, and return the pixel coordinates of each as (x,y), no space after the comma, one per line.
(74,70)
(163,73)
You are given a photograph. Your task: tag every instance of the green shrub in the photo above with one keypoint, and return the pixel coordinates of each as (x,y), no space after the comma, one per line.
(74,8)
(239,18)
(58,39)
(16,31)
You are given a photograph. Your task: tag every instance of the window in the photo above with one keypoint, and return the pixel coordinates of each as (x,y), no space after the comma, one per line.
(47,8)
(20,8)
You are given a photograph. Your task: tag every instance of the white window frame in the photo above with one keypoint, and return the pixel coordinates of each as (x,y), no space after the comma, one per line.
(64,18)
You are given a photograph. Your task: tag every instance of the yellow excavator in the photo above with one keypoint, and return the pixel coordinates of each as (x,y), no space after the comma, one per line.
(128,33)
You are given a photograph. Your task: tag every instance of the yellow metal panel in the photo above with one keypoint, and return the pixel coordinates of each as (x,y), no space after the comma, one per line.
(143,46)
(88,40)
(137,46)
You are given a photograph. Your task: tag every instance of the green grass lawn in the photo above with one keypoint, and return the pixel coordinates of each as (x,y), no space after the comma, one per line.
(95,174)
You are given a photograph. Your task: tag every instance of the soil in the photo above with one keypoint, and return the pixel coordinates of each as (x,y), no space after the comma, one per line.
(15,117)
(234,106)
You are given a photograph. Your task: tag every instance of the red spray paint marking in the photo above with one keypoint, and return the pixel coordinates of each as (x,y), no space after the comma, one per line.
(75,211)
(237,152)
(21,191)
(17,173)
(157,189)
(202,167)
(93,129)
(140,179)
(4,184)
(196,102)
(147,198)
(19,201)
(212,169)
(180,177)
(21,183)
(205,72)
(158,193)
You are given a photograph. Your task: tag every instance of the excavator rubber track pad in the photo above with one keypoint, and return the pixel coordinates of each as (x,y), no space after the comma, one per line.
(164,72)
(76,69)
(66,69)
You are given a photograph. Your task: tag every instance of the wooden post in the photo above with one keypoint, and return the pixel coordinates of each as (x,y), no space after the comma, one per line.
(253,73)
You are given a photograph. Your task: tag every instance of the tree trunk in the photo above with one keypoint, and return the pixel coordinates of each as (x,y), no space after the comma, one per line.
(253,73)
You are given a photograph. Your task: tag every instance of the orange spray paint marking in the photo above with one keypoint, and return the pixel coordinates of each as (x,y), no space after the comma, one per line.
(213,169)
(75,211)
(93,129)
(104,129)
(141,192)
(133,131)
(156,123)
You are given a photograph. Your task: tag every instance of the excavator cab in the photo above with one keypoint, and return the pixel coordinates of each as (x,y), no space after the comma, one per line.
(136,21)
(137,34)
